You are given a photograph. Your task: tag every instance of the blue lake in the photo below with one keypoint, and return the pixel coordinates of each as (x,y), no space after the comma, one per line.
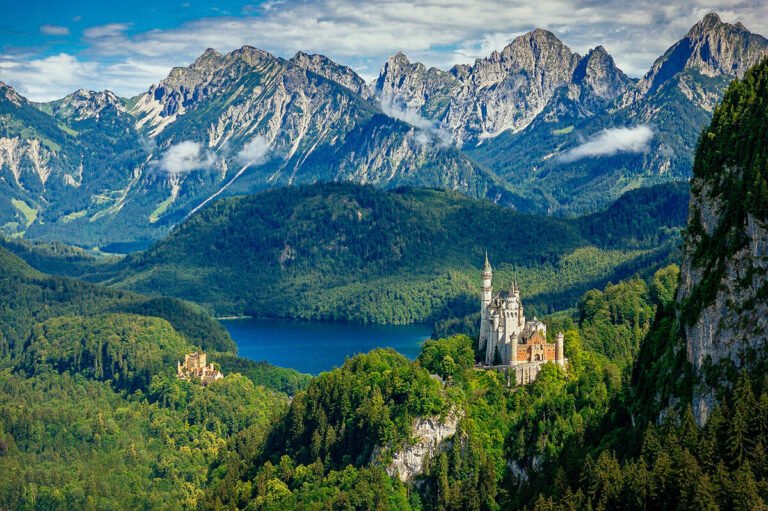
(314,346)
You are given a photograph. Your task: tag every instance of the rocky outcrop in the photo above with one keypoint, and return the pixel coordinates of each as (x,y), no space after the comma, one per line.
(723,294)
(429,437)
(84,104)
(505,91)
(737,319)
(329,69)
(711,48)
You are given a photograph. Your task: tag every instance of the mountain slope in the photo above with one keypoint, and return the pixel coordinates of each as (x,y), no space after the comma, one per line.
(534,126)
(357,253)
(723,286)
(673,101)
(688,432)
(29,296)
(247,120)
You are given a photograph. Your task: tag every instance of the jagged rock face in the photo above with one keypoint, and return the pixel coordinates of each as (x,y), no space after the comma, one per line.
(83,104)
(413,87)
(430,435)
(738,317)
(505,91)
(327,68)
(722,299)
(27,160)
(712,48)
(597,71)
(9,93)
(186,87)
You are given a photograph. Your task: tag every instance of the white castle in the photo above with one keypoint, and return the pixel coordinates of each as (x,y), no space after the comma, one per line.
(508,339)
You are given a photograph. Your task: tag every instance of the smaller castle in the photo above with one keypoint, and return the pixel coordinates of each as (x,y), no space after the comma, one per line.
(195,367)
(508,339)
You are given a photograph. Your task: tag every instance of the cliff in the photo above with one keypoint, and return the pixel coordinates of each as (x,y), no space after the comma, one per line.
(723,294)
(429,436)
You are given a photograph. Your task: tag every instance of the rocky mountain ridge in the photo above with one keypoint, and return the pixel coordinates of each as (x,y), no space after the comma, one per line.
(505,91)
(99,169)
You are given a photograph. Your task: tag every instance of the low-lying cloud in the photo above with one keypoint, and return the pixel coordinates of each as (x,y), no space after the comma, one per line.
(612,141)
(429,131)
(254,152)
(185,157)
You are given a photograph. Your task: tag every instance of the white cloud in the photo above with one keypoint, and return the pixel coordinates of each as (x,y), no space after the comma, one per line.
(48,78)
(428,131)
(54,30)
(185,157)
(254,152)
(104,31)
(612,141)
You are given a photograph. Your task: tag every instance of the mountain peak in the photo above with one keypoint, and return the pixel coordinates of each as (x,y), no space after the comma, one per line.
(206,59)
(710,20)
(598,70)
(8,92)
(399,58)
(327,68)
(712,48)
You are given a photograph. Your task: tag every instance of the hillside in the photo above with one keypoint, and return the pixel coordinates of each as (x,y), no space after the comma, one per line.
(91,411)
(342,251)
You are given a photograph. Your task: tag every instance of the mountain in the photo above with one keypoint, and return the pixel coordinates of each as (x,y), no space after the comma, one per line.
(30,297)
(242,122)
(346,252)
(533,138)
(687,431)
(68,160)
(504,92)
(534,126)
(711,48)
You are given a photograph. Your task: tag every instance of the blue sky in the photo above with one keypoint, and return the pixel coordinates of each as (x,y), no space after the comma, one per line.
(48,49)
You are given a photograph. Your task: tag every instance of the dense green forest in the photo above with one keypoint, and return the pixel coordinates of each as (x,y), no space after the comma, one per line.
(332,446)
(649,452)
(349,252)
(91,413)
(92,416)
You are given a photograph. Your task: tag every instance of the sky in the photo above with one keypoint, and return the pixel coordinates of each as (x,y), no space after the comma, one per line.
(50,48)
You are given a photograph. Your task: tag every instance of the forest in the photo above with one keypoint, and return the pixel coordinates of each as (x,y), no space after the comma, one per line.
(355,253)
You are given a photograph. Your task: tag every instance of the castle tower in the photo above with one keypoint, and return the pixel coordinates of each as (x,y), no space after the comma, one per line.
(485,301)
(559,350)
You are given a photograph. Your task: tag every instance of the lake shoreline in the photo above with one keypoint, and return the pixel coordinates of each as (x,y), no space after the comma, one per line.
(316,346)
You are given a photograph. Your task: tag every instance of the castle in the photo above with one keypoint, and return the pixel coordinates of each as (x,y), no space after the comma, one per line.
(509,340)
(195,367)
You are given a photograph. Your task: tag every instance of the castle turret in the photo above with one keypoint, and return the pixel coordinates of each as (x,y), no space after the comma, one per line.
(485,301)
(487,275)
(559,350)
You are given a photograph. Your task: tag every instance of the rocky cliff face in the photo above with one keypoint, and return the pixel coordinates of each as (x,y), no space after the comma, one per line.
(329,69)
(711,48)
(84,104)
(505,91)
(723,295)
(430,435)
